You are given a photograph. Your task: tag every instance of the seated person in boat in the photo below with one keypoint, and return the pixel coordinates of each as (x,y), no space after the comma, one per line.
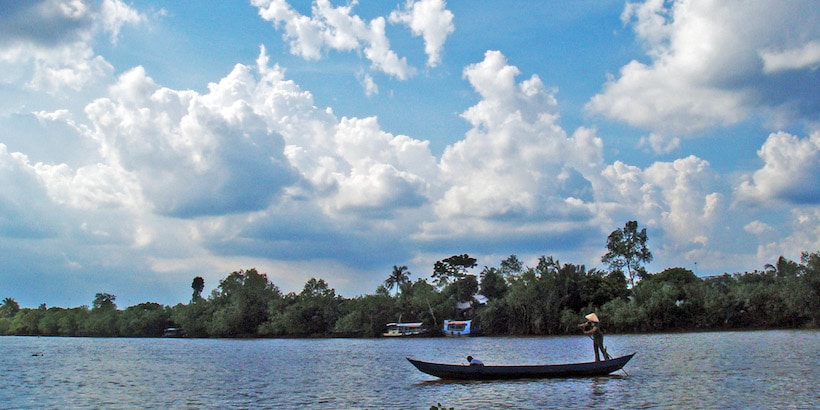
(474,362)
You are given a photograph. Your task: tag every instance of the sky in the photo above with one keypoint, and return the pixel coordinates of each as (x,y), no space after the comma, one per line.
(144,143)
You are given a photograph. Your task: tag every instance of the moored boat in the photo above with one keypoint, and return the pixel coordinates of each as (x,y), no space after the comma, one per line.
(405,329)
(460,328)
(525,371)
(173,332)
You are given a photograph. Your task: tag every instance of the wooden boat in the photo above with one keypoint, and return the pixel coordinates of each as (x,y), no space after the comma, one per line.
(526,371)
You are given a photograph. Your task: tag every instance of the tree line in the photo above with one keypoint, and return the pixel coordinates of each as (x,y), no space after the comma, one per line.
(547,299)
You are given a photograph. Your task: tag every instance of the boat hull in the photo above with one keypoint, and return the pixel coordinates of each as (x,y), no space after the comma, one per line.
(466,372)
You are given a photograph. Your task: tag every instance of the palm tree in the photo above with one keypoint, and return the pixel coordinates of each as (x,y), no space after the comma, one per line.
(783,267)
(399,276)
(9,308)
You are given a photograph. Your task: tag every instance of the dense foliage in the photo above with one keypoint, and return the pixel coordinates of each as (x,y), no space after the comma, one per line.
(549,298)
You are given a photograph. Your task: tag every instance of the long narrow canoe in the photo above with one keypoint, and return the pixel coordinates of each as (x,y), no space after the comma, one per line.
(526,371)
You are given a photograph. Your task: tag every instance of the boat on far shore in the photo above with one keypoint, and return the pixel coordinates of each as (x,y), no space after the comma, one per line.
(405,329)
(173,332)
(460,328)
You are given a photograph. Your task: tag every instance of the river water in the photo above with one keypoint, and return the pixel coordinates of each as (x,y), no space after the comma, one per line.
(761,370)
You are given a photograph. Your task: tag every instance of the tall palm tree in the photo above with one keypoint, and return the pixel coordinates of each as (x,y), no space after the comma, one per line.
(399,276)
(9,307)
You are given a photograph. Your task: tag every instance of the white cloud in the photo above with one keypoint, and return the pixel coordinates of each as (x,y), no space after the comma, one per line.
(708,64)
(25,210)
(791,171)
(370,86)
(114,14)
(757,227)
(335,28)
(515,164)
(804,56)
(386,172)
(680,199)
(192,154)
(57,49)
(801,233)
(429,19)
(662,144)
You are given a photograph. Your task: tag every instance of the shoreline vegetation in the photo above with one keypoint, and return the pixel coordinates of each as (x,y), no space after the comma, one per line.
(548,299)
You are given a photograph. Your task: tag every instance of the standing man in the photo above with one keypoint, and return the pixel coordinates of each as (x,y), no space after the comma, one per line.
(592,329)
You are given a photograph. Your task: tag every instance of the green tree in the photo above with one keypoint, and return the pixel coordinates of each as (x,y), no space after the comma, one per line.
(452,268)
(397,278)
(365,316)
(313,312)
(26,322)
(192,318)
(511,266)
(783,267)
(421,301)
(627,249)
(527,302)
(672,299)
(493,284)
(241,305)
(463,289)
(198,285)
(71,321)
(143,320)
(810,280)
(104,301)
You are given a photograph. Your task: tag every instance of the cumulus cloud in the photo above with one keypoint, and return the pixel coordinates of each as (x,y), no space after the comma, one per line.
(192,154)
(791,171)
(515,164)
(335,28)
(57,49)
(429,19)
(712,64)
(348,165)
(680,199)
(386,172)
(254,136)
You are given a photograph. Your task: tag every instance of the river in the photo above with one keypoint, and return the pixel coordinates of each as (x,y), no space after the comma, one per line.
(760,369)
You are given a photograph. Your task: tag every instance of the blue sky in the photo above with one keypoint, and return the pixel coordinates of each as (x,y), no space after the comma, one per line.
(148,142)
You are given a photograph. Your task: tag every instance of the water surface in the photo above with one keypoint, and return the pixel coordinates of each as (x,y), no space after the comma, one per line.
(766,369)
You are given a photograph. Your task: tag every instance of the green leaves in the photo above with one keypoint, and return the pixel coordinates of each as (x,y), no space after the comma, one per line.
(627,249)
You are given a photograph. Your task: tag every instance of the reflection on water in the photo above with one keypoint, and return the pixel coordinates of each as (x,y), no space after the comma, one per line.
(772,369)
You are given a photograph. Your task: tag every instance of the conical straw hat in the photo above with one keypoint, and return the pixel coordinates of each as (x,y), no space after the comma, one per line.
(592,317)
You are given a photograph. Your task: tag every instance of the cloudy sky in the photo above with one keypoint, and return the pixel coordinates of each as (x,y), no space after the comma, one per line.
(143,143)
